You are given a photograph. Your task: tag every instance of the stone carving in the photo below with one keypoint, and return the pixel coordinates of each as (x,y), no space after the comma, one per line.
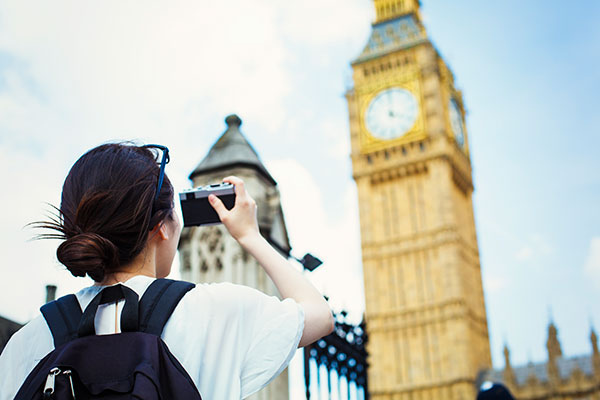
(211,248)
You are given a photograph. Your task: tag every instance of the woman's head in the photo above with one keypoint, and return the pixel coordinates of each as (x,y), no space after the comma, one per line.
(109,206)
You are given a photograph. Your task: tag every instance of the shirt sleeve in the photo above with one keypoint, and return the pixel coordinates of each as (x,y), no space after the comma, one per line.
(274,328)
(22,353)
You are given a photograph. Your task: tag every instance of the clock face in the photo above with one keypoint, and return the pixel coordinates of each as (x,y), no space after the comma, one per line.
(391,113)
(456,123)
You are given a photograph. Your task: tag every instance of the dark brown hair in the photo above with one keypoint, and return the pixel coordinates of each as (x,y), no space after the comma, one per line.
(108,206)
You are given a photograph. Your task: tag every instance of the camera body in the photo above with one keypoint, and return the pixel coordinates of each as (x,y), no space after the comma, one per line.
(197,210)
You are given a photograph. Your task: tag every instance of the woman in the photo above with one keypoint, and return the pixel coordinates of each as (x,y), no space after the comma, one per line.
(119,226)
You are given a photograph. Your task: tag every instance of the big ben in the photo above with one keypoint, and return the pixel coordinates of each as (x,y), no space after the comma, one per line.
(425,311)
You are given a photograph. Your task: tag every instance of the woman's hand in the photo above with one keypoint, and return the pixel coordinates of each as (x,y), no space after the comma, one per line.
(241,220)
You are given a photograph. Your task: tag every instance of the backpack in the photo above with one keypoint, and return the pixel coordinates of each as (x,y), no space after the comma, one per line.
(133,364)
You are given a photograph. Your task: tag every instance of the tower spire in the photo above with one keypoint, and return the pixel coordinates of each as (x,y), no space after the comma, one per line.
(509,373)
(595,352)
(391,9)
(554,352)
(553,344)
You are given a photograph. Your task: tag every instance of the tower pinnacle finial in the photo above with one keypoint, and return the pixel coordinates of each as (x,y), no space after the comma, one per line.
(509,374)
(594,340)
(595,352)
(233,120)
(553,344)
(506,356)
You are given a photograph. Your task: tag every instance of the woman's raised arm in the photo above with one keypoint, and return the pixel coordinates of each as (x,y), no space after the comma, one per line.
(242,224)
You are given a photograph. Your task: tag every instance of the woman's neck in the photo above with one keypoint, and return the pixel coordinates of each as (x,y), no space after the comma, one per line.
(144,264)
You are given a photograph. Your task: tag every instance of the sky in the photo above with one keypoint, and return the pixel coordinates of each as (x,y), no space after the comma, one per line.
(76,74)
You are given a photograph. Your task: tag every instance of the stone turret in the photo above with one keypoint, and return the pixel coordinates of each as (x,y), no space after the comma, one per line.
(595,354)
(509,373)
(553,344)
(554,353)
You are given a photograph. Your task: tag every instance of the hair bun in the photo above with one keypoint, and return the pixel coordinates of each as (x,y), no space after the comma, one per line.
(88,253)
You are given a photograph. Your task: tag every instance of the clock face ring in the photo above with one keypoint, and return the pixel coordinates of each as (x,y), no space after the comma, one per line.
(391,113)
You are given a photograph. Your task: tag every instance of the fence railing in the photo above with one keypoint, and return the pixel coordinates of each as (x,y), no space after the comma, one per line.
(335,367)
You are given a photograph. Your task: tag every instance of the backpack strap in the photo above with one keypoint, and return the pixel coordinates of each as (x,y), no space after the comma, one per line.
(62,316)
(158,303)
(129,315)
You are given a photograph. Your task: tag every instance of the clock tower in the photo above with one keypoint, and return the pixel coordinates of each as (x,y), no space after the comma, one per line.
(425,311)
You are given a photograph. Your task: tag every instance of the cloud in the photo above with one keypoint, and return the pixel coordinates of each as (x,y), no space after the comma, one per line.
(112,67)
(115,67)
(28,263)
(312,229)
(524,254)
(495,283)
(331,21)
(73,75)
(591,266)
(535,248)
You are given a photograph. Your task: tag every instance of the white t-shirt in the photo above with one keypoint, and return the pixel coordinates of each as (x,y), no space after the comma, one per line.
(232,340)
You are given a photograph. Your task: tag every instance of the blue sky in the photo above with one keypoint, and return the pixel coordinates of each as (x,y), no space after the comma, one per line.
(73,76)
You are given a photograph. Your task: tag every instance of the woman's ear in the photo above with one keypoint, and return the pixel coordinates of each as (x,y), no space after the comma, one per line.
(161,230)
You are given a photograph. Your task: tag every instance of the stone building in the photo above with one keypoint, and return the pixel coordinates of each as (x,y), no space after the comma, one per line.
(210,254)
(560,377)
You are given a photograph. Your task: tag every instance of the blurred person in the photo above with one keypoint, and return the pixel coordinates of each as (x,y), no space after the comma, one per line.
(494,391)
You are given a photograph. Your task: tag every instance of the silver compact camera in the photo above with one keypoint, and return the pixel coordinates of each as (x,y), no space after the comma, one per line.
(197,210)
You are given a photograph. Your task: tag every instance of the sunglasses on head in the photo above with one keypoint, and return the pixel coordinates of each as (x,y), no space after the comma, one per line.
(165,159)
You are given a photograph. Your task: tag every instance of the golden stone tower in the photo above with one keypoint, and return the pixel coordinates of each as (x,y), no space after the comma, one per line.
(425,311)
